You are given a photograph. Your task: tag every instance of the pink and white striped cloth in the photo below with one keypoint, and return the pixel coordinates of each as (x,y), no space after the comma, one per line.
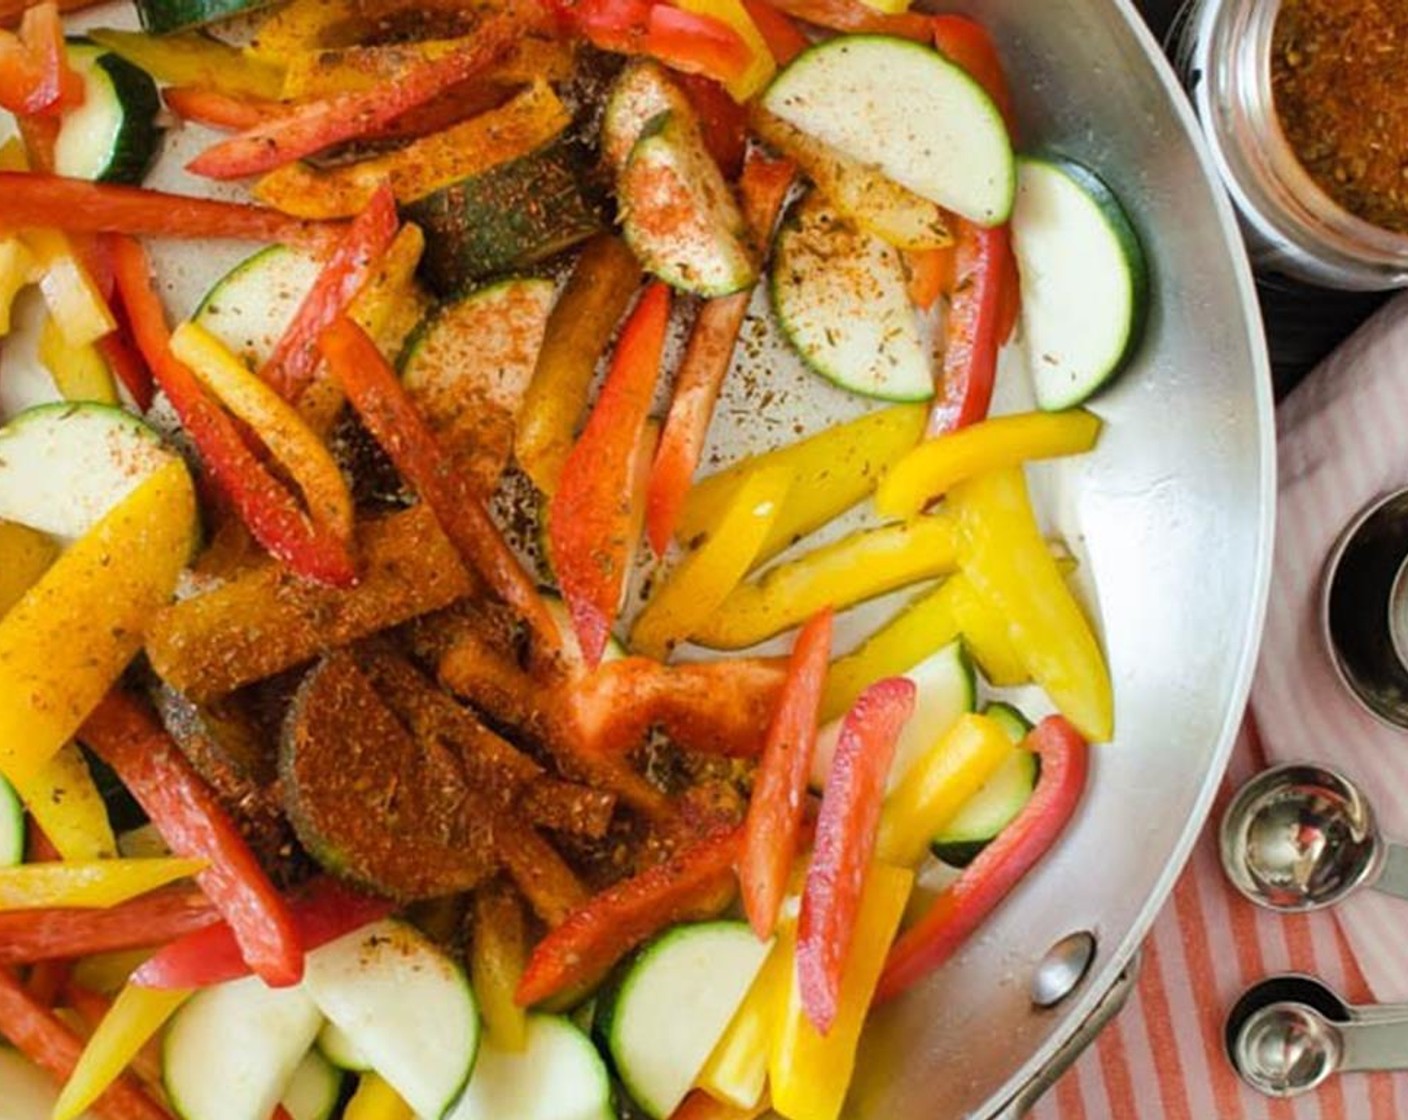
(1341,443)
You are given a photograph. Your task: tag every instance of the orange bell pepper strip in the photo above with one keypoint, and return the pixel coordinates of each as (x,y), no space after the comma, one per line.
(696,44)
(588,518)
(295,358)
(216,109)
(28,936)
(845,840)
(783,37)
(931,275)
(854,16)
(133,1019)
(699,1105)
(34,73)
(384,406)
(192,822)
(262,501)
(315,125)
(773,826)
(763,187)
(31,200)
(95,884)
(955,914)
(43,1038)
(696,881)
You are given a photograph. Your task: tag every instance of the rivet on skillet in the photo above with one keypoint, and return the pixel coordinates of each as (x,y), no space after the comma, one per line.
(1063,968)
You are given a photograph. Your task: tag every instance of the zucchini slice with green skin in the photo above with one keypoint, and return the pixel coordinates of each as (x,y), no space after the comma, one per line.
(506,219)
(113,136)
(839,296)
(314,1088)
(11,826)
(1085,280)
(999,799)
(904,109)
(641,92)
(161,17)
(340,1050)
(679,216)
(30,1093)
(231,1050)
(405,1005)
(63,466)
(945,688)
(671,1005)
(252,305)
(558,1075)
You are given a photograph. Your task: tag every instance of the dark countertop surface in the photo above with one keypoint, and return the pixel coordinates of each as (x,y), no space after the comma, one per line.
(1303,324)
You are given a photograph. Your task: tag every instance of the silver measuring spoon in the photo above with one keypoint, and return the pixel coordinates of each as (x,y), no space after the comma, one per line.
(1302,837)
(1289,1033)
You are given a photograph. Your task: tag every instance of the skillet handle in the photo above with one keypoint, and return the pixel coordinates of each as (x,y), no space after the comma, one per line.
(1110,1006)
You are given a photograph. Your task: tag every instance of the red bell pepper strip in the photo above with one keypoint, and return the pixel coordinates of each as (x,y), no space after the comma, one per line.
(30,200)
(127,365)
(966,43)
(692,883)
(854,16)
(40,1035)
(774,823)
(27,936)
(35,77)
(295,358)
(955,914)
(589,517)
(695,43)
(390,415)
(314,125)
(215,109)
(722,121)
(264,504)
(763,188)
(783,37)
(212,955)
(845,842)
(190,819)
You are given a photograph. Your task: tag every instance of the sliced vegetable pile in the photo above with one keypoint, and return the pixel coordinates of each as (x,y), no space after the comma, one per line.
(361,752)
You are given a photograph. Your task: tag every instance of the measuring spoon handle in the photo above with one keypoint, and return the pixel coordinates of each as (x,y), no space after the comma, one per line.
(1393,878)
(1370,1045)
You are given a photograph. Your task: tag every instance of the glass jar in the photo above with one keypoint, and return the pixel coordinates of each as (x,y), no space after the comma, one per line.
(1222,50)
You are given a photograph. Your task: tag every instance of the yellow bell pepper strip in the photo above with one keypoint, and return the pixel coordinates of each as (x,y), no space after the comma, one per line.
(498,952)
(134,1018)
(955,914)
(90,885)
(290,441)
(79,372)
(190,58)
(1010,566)
(581,324)
(16,268)
(867,563)
(528,121)
(376,1100)
(699,1105)
(64,801)
(760,67)
(701,582)
(937,786)
(737,1070)
(71,636)
(69,292)
(933,467)
(25,555)
(986,634)
(810,1073)
(831,472)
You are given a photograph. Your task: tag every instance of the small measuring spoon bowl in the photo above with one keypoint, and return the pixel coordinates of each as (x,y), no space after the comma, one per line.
(1287,1034)
(1303,837)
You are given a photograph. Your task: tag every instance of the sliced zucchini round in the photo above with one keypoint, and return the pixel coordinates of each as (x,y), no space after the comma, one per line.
(251,306)
(839,296)
(11,825)
(340,1050)
(671,1006)
(1000,799)
(1085,281)
(679,216)
(945,688)
(558,1075)
(161,17)
(314,1088)
(232,1049)
(903,108)
(113,136)
(63,466)
(405,1005)
(641,92)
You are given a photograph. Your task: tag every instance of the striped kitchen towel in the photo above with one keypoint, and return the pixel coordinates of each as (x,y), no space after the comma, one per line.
(1342,441)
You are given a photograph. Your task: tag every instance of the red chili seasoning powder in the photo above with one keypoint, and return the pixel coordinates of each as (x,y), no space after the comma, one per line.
(1339,73)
